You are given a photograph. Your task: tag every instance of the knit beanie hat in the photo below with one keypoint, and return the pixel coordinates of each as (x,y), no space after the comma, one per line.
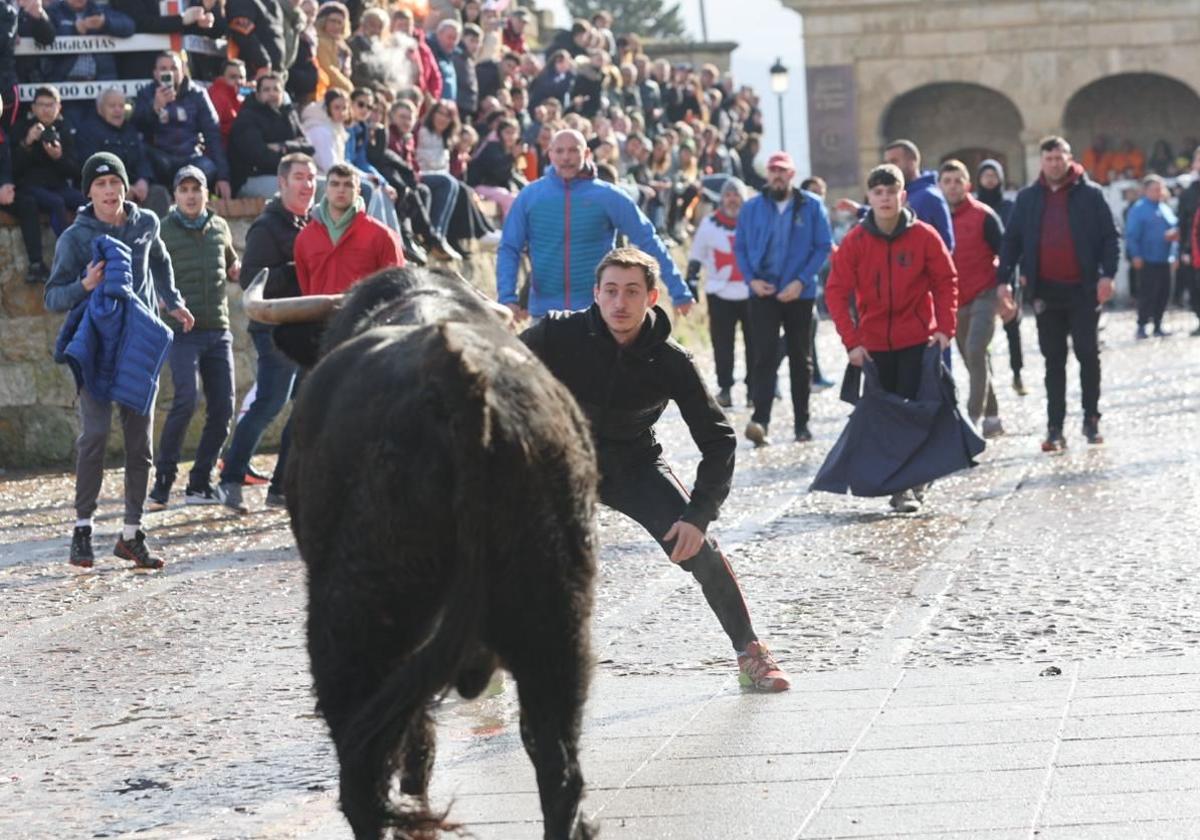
(103,163)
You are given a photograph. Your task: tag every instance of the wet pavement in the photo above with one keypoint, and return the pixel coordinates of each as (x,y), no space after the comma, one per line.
(178,704)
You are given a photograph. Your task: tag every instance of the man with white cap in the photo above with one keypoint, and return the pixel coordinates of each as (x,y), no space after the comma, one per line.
(783,239)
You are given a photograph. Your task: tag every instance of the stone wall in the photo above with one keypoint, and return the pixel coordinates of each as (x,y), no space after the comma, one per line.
(38,422)
(1034,55)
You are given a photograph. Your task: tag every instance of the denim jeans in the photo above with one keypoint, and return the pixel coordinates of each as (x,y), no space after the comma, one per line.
(206,355)
(275,386)
(648,492)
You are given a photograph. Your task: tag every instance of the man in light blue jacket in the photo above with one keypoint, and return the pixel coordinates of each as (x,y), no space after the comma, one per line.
(783,239)
(1152,240)
(568,221)
(73,278)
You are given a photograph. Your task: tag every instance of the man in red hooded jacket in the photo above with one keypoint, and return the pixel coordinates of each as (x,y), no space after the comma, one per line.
(899,274)
(341,244)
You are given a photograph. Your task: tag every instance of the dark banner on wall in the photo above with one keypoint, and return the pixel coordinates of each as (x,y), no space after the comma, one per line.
(832,124)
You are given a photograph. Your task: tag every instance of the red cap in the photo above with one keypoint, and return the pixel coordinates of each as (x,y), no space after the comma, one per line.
(781,160)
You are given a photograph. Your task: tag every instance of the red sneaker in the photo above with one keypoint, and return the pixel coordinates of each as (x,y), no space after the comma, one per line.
(758,670)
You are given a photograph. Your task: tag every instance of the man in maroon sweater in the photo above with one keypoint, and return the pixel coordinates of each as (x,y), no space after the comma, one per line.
(1063,241)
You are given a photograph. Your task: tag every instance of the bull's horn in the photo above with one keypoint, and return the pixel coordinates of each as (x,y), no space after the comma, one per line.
(292,310)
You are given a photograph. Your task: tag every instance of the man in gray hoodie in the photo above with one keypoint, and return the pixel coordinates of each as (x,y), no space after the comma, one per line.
(73,277)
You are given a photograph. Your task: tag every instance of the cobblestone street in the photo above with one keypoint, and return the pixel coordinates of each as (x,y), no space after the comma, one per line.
(179,705)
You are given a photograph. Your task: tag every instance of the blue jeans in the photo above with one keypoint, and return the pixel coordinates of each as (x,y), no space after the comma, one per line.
(57,202)
(207,355)
(276,385)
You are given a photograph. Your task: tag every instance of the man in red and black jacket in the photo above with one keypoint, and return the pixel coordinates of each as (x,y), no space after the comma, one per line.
(978,235)
(1063,241)
(899,274)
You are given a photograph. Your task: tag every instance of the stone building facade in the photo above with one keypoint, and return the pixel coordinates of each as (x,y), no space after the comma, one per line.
(989,78)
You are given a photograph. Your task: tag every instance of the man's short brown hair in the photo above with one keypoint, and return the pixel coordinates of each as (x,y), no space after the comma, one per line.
(343,170)
(631,258)
(288,161)
(1054,143)
(958,166)
(885,175)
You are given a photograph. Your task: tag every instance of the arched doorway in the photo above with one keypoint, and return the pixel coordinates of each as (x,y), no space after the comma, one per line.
(959,119)
(1132,123)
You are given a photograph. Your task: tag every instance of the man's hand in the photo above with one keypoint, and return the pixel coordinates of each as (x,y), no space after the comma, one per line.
(1172,235)
(35,133)
(940,339)
(1006,306)
(847,205)
(684,308)
(762,288)
(1138,263)
(791,292)
(1186,259)
(1024,281)
(390,192)
(193,15)
(183,316)
(859,356)
(93,275)
(33,8)
(8,194)
(234,271)
(519,313)
(688,541)
(1105,290)
(224,190)
(139,190)
(53,150)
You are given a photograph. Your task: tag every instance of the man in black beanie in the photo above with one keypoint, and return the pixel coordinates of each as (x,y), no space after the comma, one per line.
(73,278)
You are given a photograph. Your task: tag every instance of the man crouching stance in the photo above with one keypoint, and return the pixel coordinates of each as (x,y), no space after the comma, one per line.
(618,361)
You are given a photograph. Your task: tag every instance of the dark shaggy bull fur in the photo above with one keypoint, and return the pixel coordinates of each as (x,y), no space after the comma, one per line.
(441,487)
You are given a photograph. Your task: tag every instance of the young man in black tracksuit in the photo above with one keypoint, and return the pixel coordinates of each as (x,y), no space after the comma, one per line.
(617,360)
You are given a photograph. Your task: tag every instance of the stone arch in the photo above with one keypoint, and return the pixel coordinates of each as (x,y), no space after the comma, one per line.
(1124,119)
(953,119)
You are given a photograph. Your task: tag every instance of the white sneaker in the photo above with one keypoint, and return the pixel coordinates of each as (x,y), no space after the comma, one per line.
(490,239)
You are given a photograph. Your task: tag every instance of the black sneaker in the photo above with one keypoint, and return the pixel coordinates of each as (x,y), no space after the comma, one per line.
(1019,385)
(136,550)
(1091,431)
(204,496)
(276,499)
(38,273)
(1054,442)
(160,494)
(1195,333)
(803,435)
(1159,332)
(756,433)
(81,547)
(724,399)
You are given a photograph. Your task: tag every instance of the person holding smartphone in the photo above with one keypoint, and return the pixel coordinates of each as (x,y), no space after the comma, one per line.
(180,125)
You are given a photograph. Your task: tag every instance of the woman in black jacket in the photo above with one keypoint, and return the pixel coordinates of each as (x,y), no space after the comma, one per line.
(493,170)
(556,81)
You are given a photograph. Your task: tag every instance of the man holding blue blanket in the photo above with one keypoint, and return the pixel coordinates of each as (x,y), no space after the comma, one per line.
(110,271)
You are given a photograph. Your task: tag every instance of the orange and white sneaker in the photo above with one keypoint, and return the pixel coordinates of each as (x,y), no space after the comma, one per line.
(757,669)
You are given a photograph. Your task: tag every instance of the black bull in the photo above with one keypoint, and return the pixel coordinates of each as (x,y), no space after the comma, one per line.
(441,487)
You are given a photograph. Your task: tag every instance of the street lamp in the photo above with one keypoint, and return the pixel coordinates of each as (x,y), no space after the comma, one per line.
(779,86)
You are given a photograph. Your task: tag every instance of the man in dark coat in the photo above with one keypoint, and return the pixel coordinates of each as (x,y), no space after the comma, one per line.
(618,361)
(270,245)
(265,130)
(25,19)
(1063,243)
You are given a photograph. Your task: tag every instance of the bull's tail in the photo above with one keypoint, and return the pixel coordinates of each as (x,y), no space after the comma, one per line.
(373,736)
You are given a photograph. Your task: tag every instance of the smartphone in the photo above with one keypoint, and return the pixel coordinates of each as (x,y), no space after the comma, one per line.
(166,80)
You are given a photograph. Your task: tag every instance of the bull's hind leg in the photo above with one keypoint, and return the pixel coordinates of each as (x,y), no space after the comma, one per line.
(552,683)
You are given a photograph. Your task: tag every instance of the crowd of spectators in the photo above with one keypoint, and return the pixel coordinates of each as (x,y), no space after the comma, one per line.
(433,109)
(1108,160)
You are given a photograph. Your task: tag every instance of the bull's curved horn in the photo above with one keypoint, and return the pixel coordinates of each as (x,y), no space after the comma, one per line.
(292,310)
